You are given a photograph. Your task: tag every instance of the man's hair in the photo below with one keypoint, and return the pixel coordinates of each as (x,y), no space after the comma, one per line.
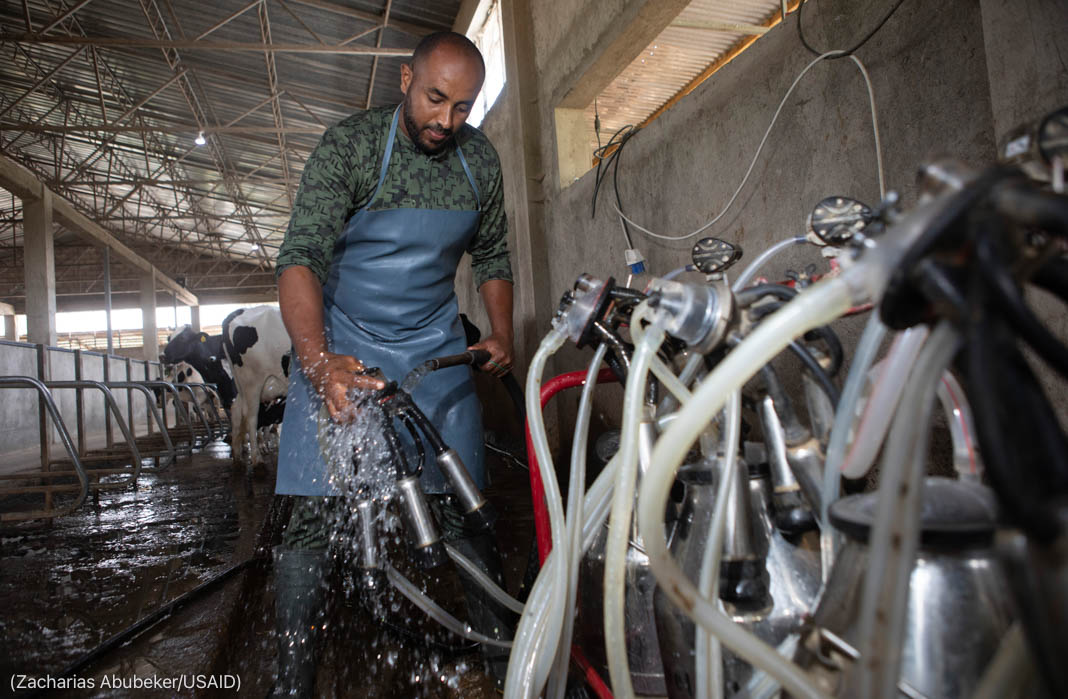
(430,42)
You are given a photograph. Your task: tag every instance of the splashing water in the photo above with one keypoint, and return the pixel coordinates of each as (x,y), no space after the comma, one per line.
(414,377)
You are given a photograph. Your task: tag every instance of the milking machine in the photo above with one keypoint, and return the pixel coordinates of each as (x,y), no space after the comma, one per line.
(387,407)
(714,544)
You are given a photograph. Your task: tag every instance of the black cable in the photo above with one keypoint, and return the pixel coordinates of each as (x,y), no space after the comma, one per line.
(1021,202)
(407,422)
(843,54)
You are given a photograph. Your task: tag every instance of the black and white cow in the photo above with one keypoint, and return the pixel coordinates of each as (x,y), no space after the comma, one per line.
(257,346)
(204,353)
(184,373)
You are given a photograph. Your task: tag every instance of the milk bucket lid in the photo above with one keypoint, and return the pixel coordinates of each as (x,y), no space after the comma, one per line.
(954,514)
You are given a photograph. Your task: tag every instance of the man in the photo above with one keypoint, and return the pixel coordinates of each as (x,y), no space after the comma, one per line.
(389,201)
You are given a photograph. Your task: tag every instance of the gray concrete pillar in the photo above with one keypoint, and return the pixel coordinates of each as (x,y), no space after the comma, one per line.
(194,318)
(149,333)
(10,332)
(40,270)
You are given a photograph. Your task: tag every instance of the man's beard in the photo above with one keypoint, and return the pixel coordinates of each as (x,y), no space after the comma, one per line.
(415,132)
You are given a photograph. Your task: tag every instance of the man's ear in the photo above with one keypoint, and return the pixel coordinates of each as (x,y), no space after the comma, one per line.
(406,77)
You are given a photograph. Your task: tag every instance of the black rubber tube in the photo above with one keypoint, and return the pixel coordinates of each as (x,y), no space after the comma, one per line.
(137,627)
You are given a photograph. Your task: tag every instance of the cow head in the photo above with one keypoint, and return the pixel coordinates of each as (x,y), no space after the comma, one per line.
(184,345)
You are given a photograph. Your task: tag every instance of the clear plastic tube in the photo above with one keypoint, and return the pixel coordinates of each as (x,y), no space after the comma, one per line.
(540,624)
(867,349)
(966,459)
(879,411)
(709,674)
(669,380)
(894,535)
(413,593)
(575,497)
(619,527)
(751,271)
(818,305)
(484,580)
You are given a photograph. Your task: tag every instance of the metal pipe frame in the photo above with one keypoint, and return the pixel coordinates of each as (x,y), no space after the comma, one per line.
(150,400)
(64,435)
(109,399)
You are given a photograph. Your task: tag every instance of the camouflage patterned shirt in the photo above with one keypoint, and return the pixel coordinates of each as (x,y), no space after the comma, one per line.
(340,177)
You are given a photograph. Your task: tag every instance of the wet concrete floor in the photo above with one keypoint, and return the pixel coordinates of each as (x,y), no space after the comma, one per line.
(67,587)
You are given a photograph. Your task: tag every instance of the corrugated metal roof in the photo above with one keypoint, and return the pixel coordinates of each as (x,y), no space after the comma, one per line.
(151,183)
(672,60)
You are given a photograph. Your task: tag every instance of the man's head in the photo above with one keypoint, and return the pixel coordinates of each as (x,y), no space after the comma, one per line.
(440,86)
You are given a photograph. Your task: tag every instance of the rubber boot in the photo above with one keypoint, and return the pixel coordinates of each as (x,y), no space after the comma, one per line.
(298,593)
(484,614)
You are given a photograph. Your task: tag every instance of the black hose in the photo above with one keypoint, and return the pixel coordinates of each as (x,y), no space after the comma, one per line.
(1025,204)
(408,406)
(407,422)
(140,625)
(750,295)
(1053,277)
(818,372)
(515,392)
(1007,405)
(1009,297)
(834,346)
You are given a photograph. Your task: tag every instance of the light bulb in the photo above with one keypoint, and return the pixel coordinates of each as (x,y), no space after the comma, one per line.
(199,140)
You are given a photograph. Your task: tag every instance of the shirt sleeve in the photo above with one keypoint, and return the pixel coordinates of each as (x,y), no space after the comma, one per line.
(332,175)
(489,249)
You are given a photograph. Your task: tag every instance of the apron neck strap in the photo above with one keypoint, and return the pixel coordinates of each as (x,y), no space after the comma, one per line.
(389,153)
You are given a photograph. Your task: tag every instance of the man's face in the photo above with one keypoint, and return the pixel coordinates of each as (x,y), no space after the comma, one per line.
(438,94)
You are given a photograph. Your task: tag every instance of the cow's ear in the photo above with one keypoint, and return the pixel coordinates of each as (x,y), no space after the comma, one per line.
(203,337)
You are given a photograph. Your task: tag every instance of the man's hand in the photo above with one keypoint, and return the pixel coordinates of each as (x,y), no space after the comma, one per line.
(334,376)
(501,354)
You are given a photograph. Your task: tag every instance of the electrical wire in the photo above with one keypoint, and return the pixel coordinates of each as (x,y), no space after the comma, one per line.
(849,52)
(764,140)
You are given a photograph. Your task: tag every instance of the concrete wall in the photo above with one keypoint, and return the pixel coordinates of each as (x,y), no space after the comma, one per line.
(19,438)
(949,79)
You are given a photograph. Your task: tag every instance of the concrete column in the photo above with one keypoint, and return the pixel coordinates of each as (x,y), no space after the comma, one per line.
(107,298)
(40,270)
(194,318)
(149,332)
(9,328)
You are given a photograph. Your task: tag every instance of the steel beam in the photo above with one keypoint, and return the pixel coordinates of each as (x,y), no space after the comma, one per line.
(117,42)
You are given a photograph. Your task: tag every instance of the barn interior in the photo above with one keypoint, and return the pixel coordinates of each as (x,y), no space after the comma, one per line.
(797,269)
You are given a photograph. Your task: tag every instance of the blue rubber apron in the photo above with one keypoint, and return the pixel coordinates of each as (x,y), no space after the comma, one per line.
(390,302)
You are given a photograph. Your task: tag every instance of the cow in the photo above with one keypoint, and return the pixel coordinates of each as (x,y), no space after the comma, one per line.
(185,373)
(205,354)
(257,346)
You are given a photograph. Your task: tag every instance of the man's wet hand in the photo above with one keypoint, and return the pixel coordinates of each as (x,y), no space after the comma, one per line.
(334,377)
(501,354)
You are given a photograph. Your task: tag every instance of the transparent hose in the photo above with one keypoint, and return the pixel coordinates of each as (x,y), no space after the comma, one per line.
(895,533)
(575,497)
(867,349)
(493,589)
(879,411)
(966,460)
(619,527)
(750,272)
(539,626)
(413,593)
(710,672)
(818,305)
